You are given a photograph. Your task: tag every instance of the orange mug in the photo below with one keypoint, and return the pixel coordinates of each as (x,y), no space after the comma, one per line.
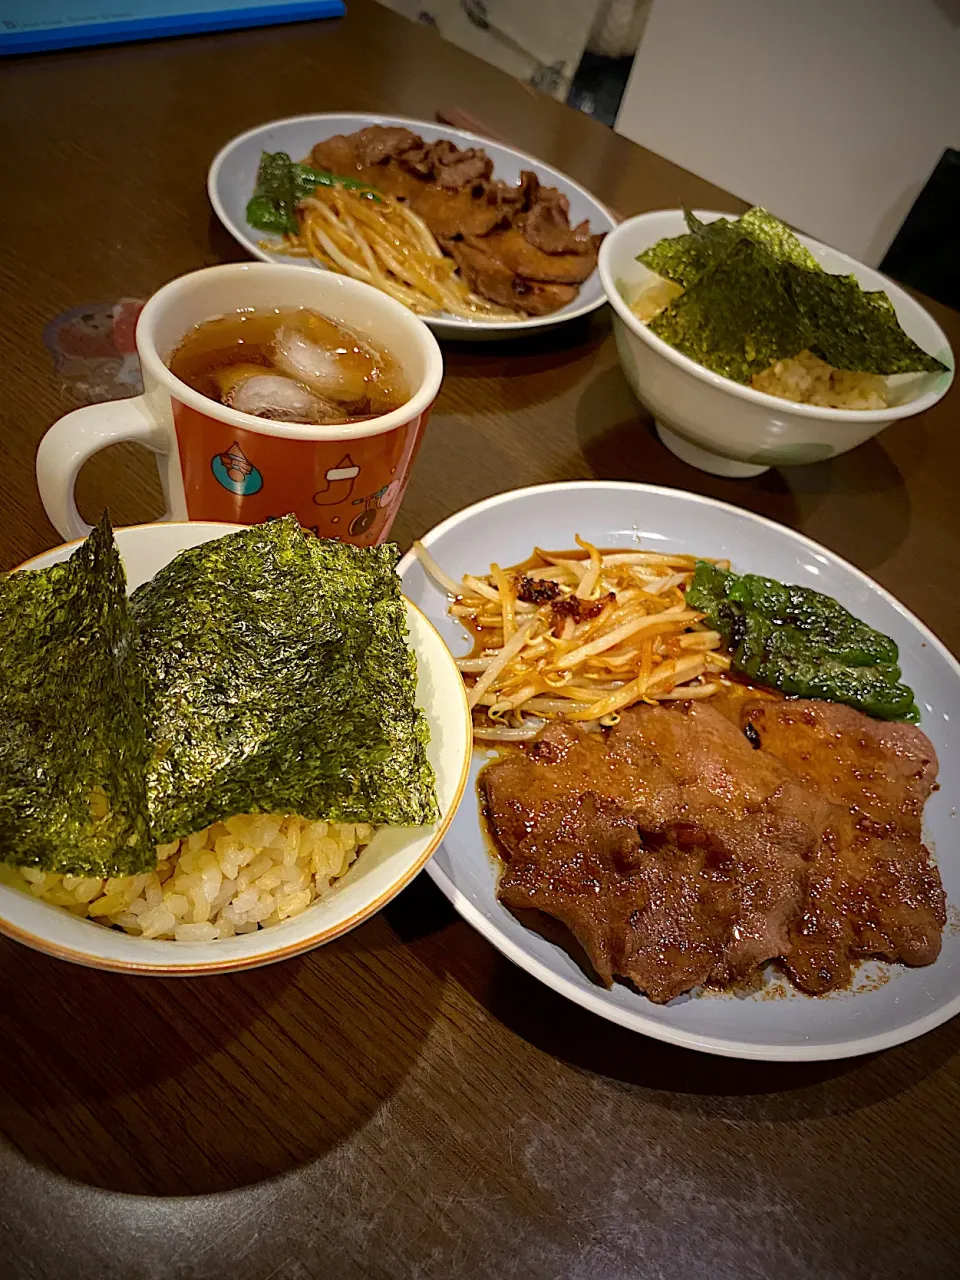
(218,464)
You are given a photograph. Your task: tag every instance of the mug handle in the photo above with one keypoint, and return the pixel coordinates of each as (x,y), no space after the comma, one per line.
(78,436)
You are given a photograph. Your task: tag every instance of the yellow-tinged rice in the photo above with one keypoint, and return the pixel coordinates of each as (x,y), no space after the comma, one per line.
(810,380)
(237,876)
(804,378)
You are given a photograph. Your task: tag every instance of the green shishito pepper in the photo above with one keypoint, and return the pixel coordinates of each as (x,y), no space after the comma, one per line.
(282,184)
(802,642)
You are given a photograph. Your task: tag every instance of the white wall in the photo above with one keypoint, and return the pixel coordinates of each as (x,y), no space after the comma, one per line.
(831,113)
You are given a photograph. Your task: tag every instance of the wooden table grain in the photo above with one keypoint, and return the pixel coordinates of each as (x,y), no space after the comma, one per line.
(404,1102)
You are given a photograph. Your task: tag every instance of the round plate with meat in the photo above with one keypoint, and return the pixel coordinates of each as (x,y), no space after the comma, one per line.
(789,840)
(512,242)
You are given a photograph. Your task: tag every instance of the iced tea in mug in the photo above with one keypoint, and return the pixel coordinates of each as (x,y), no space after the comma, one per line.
(268,389)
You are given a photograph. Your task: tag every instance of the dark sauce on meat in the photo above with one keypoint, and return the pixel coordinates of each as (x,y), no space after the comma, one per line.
(681,854)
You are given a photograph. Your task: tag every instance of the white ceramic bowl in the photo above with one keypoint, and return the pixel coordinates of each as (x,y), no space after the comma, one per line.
(731,430)
(390,861)
(233,173)
(889,1003)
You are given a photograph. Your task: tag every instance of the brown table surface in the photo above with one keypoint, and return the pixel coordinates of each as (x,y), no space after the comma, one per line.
(404,1102)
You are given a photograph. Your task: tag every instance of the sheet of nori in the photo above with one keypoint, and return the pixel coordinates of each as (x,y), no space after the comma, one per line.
(736,318)
(778,238)
(279,680)
(753,295)
(853,329)
(685,258)
(73,742)
(401,787)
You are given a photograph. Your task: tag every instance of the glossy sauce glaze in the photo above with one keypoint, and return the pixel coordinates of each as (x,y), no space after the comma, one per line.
(693,845)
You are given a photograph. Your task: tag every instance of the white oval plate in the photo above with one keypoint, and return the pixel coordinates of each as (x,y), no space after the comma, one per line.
(792,1028)
(232,175)
(392,858)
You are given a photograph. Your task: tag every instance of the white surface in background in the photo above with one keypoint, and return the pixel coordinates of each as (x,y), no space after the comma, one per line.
(831,115)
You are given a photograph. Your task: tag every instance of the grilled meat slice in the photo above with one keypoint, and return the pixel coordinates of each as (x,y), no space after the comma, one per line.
(673,851)
(489,277)
(468,212)
(874,891)
(680,850)
(510,248)
(445,164)
(378,143)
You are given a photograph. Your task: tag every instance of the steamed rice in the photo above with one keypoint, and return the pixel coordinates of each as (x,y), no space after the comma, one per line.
(237,876)
(808,379)
(804,378)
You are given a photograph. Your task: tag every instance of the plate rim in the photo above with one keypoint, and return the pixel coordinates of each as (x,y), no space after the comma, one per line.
(451,326)
(636,1020)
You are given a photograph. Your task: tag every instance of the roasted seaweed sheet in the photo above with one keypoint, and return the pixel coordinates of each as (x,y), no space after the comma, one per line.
(754,295)
(734,331)
(279,680)
(73,742)
(361,584)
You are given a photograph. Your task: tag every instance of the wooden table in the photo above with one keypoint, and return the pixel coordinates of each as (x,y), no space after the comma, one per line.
(404,1102)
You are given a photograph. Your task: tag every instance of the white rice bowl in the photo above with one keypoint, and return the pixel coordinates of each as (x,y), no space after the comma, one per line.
(722,426)
(204,909)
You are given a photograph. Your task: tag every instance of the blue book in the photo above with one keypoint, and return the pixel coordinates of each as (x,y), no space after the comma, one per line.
(31,26)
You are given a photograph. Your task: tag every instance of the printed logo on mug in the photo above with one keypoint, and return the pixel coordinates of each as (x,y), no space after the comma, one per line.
(343,480)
